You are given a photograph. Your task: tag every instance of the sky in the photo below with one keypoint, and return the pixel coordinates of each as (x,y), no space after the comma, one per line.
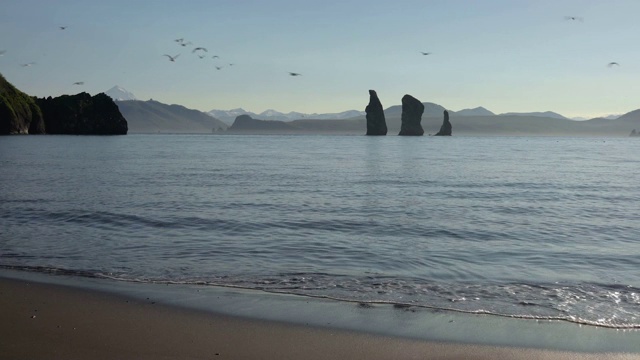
(504,55)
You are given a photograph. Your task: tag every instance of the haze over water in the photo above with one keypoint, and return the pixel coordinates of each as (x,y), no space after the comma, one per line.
(526,227)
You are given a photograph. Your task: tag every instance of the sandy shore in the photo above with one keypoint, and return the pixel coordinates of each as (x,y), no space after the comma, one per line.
(42,321)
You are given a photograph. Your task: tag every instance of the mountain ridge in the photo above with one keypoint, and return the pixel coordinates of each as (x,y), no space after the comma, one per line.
(152,117)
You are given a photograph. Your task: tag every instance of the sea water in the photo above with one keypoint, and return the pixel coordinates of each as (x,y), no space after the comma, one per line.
(539,228)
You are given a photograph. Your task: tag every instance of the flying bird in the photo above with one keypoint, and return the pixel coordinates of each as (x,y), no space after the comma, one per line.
(231,64)
(573,18)
(179,40)
(611,64)
(199,48)
(425,53)
(202,56)
(62,27)
(219,67)
(28,64)
(2,52)
(78,83)
(294,74)
(185,43)
(172,58)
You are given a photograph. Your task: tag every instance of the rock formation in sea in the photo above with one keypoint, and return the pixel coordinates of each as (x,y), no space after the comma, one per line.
(445,129)
(376,123)
(634,133)
(19,113)
(82,114)
(412,110)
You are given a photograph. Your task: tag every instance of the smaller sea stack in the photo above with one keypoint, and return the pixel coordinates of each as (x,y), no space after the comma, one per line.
(445,129)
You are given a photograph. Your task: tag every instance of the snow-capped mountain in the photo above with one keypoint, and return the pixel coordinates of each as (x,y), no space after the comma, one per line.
(228,116)
(119,94)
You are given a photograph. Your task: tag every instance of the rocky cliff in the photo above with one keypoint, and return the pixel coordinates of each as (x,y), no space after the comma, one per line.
(412,110)
(19,113)
(445,129)
(376,123)
(82,114)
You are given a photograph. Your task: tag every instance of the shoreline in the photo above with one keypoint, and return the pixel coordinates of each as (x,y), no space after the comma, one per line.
(71,322)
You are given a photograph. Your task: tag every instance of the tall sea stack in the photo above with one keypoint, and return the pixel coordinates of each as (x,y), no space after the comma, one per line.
(376,123)
(412,110)
(445,129)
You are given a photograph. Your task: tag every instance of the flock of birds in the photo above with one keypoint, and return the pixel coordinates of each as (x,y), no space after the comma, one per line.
(201,52)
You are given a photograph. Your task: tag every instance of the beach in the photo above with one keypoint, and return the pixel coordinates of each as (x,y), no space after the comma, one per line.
(51,321)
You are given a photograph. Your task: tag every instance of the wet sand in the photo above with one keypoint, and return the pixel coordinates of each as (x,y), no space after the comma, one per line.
(44,321)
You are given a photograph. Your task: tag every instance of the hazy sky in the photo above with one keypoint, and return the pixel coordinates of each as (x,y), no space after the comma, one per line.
(505,55)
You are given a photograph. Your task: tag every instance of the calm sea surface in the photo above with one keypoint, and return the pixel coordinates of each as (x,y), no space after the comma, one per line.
(541,228)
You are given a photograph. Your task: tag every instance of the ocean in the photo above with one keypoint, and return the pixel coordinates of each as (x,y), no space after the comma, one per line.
(540,228)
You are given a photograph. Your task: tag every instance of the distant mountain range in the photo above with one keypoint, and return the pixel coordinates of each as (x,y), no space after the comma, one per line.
(228,116)
(496,125)
(152,117)
(155,117)
(430,109)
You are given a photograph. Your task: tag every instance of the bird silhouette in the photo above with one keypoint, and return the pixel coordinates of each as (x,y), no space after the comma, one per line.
(199,48)
(28,64)
(179,40)
(425,53)
(216,57)
(573,18)
(202,56)
(185,43)
(294,74)
(612,64)
(172,58)
(219,67)
(78,83)
(62,27)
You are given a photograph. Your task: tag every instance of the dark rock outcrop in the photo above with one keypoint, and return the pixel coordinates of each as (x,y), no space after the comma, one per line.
(82,114)
(412,110)
(19,113)
(376,123)
(247,123)
(445,129)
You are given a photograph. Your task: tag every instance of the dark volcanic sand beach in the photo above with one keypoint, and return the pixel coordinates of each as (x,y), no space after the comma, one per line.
(45,321)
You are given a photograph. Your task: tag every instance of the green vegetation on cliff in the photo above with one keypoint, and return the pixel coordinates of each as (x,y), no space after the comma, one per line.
(19,113)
